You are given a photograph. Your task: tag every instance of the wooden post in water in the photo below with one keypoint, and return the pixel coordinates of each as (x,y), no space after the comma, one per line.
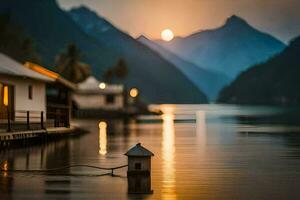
(139,170)
(67,118)
(28,120)
(42,120)
(55,118)
(8,120)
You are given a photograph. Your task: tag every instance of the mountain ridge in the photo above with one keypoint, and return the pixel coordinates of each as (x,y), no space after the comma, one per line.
(52,29)
(214,48)
(208,82)
(275,81)
(140,58)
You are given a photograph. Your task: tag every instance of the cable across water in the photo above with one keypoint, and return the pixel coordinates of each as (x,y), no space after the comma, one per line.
(62,168)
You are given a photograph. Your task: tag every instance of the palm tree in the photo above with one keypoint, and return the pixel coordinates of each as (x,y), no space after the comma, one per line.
(121,69)
(118,71)
(15,43)
(69,65)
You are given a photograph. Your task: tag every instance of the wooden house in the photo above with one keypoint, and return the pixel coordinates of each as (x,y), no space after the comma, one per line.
(31,94)
(21,90)
(93,96)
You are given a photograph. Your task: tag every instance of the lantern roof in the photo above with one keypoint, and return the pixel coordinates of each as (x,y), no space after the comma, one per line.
(139,150)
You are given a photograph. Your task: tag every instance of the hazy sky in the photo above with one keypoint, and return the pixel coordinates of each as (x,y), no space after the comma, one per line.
(149,17)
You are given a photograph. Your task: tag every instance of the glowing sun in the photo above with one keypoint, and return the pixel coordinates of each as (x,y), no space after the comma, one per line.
(167,35)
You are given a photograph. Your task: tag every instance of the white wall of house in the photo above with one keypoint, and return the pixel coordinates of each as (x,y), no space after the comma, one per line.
(98,101)
(22,101)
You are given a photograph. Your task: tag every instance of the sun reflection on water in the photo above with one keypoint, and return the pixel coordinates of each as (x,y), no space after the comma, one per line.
(201,127)
(168,152)
(102,138)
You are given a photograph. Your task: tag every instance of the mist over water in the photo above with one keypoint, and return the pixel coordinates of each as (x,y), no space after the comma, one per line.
(201,152)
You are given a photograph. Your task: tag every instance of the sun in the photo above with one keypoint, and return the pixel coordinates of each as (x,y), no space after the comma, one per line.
(167,35)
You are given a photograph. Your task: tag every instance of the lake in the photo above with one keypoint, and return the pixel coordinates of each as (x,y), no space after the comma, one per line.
(200,152)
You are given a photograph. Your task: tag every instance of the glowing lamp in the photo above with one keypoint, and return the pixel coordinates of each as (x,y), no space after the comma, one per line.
(134,92)
(102,86)
(5,95)
(102,125)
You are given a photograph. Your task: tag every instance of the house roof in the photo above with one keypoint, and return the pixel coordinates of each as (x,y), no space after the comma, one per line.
(50,74)
(9,66)
(91,85)
(139,150)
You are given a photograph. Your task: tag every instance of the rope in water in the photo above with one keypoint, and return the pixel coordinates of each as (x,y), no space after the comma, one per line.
(62,168)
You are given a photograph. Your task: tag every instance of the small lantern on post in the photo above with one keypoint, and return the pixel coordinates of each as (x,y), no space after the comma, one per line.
(139,170)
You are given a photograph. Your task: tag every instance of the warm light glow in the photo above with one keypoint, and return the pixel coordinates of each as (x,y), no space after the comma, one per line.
(134,92)
(41,70)
(5,95)
(102,124)
(102,86)
(167,35)
(102,138)
(5,168)
(168,152)
(201,127)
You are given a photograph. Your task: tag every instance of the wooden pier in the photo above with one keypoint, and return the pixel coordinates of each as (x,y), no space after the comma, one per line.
(8,139)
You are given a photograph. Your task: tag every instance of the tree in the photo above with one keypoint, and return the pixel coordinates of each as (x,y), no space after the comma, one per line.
(118,71)
(69,65)
(15,44)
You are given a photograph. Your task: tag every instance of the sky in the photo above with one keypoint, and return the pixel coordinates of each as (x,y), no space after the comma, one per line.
(281,18)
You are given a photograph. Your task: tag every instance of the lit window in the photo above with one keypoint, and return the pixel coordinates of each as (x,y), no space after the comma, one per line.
(5,95)
(30,92)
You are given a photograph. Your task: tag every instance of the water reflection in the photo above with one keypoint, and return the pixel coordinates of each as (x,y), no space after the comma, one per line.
(102,138)
(211,159)
(5,168)
(168,152)
(201,127)
(6,181)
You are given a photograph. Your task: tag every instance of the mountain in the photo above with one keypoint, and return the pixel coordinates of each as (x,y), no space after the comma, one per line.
(273,82)
(209,82)
(230,49)
(52,29)
(147,69)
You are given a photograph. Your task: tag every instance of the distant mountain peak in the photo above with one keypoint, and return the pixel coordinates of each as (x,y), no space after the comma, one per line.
(235,20)
(82,8)
(214,48)
(141,38)
(90,16)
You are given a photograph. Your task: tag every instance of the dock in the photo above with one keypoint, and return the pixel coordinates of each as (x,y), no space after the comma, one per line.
(8,139)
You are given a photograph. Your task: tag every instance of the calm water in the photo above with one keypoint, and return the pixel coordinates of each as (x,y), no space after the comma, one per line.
(201,152)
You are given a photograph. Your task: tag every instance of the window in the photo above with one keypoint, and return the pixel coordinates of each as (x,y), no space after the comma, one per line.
(30,92)
(138,166)
(110,99)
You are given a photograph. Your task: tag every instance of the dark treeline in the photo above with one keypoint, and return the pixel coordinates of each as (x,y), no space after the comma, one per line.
(69,65)
(275,82)
(14,43)
(118,71)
